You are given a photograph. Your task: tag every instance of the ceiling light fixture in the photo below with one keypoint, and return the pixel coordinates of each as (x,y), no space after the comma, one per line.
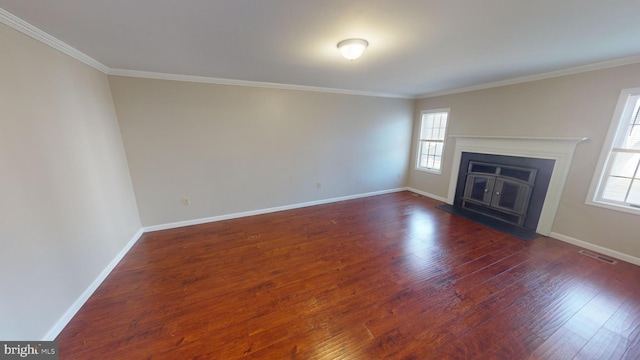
(352,48)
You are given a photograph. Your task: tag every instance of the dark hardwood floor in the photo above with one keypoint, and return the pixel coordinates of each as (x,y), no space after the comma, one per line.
(384,277)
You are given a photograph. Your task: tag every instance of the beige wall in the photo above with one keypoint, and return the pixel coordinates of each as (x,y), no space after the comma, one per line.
(67,202)
(569,106)
(232,149)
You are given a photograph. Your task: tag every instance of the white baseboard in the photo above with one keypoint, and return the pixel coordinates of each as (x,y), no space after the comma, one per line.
(75,307)
(265,211)
(602,250)
(82,299)
(429,195)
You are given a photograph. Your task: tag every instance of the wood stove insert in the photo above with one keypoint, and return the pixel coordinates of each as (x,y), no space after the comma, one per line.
(499,191)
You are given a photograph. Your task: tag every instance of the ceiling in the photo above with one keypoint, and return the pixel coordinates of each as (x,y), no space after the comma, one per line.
(417,47)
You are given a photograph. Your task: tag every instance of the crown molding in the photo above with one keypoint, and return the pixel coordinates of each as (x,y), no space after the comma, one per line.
(546,75)
(24,27)
(219,81)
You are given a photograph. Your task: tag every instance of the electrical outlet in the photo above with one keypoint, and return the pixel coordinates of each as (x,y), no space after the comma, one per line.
(186,201)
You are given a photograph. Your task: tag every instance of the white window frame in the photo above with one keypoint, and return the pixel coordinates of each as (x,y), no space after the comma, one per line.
(622,113)
(420,140)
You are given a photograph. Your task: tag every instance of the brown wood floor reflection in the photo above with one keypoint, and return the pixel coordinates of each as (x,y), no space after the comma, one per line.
(383,277)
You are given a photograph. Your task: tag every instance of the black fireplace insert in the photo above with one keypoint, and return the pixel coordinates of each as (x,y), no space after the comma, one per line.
(511,189)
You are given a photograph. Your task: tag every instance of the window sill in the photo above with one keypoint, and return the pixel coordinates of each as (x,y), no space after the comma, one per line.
(435,172)
(610,206)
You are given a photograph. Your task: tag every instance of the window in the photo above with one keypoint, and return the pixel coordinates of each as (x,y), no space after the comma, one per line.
(433,127)
(617,181)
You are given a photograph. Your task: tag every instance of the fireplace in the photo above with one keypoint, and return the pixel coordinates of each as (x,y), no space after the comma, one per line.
(507,188)
(549,157)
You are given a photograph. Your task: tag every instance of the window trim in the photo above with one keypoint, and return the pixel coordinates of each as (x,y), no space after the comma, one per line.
(602,167)
(419,140)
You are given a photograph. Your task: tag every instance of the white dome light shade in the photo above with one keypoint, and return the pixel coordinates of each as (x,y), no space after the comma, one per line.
(352,48)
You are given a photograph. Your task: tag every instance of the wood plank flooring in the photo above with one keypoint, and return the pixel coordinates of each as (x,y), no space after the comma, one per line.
(383,277)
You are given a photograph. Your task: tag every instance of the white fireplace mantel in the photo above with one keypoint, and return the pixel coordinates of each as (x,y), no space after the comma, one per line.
(555,148)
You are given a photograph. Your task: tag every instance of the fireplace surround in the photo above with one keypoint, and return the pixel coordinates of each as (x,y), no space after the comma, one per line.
(560,150)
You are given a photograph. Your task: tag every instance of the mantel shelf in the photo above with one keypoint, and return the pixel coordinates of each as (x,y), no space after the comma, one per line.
(523,138)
